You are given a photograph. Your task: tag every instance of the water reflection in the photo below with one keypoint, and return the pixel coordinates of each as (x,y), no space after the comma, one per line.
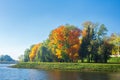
(114,76)
(37,75)
(7,73)
(60,75)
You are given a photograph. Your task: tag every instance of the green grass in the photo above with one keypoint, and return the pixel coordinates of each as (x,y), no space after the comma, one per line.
(82,67)
(114,60)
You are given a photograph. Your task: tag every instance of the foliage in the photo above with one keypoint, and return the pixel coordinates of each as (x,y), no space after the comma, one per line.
(64,42)
(26,55)
(94,47)
(33,51)
(21,58)
(43,54)
(5,58)
(115,40)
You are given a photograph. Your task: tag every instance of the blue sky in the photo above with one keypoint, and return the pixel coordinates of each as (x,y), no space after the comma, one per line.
(26,22)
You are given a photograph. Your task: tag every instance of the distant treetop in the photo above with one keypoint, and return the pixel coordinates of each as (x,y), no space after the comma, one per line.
(5,58)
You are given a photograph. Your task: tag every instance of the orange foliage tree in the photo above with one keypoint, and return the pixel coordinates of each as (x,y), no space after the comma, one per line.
(64,42)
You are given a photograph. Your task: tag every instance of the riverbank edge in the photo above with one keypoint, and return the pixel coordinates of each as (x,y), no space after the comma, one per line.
(81,67)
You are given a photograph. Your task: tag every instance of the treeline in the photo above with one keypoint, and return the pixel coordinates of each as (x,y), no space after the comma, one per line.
(6,58)
(68,43)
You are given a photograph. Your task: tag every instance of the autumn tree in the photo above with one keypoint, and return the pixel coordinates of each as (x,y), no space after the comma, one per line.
(64,42)
(115,40)
(65,45)
(34,51)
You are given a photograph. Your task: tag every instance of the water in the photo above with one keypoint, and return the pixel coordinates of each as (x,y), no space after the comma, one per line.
(7,73)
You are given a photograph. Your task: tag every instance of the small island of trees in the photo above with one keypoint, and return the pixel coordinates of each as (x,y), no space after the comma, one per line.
(6,59)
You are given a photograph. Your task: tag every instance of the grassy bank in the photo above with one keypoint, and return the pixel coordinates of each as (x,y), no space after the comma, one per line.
(114,60)
(82,67)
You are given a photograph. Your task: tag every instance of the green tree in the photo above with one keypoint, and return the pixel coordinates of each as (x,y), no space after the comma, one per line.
(86,46)
(100,46)
(93,46)
(21,58)
(44,54)
(5,58)
(26,55)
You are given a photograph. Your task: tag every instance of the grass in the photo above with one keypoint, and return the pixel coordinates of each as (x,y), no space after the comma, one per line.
(114,60)
(82,67)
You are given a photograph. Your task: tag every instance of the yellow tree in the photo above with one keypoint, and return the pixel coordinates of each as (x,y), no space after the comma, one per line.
(34,51)
(115,40)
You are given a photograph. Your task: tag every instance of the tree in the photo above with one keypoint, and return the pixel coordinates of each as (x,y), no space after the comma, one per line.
(115,41)
(34,51)
(93,46)
(44,54)
(21,58)
(64,42)
(102,53)
(88,34)
(26,55)
(106,50)
(5,58)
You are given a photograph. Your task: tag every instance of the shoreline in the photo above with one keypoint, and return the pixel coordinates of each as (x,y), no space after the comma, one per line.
(81,67)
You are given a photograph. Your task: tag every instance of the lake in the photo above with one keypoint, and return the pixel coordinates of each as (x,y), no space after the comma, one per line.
(7,73)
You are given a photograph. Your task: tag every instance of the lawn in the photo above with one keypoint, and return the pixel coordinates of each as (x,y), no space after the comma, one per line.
(82,67)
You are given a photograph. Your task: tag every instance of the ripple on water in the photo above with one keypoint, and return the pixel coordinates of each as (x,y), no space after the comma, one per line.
(7,73)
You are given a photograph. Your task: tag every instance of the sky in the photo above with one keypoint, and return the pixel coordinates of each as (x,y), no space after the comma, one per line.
(27,22)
